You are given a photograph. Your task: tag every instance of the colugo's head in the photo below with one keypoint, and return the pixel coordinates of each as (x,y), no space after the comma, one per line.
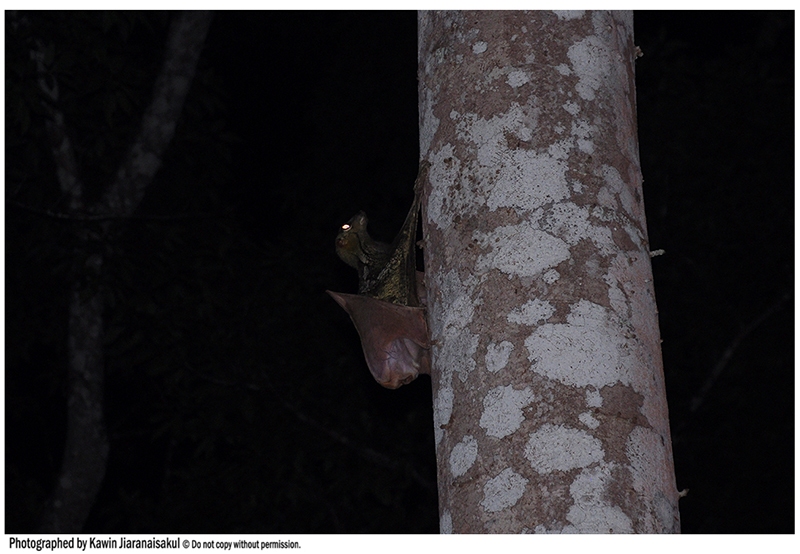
(348,241)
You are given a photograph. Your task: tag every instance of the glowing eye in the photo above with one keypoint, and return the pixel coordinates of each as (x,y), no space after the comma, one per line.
(345,227)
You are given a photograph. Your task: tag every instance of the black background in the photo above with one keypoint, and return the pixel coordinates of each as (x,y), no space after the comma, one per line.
(237,396)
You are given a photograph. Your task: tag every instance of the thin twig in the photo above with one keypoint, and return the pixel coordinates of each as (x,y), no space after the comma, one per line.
(697,401)
(365,451)
(103,217)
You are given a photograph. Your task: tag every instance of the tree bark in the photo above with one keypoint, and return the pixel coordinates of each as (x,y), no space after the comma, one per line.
(550,411)
(86,447)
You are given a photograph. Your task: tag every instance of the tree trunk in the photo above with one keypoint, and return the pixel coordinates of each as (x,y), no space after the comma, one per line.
(86,447)
(549,406)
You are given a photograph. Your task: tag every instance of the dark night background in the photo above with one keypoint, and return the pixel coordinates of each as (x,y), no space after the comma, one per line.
(237,396)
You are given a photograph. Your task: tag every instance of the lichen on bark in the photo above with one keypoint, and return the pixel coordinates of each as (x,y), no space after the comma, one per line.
(540,299)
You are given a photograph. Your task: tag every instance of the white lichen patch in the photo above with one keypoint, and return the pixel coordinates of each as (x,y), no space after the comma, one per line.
(497,355)
(446,523)
(532,312)
(503,491)
(445,202)
(429,123)
(455,355)
(591,512)
(582,132)
(550,276)
(487,83)
(527,180)
(587,351)
(572,224)
(479,47)
(589,420)
(593,398)
(442,409)
(571,108)
(566,15)
(461,349)
(544,530)
(647,459)
(522,179)
(502,410)
(517,78)
(606,198)
(463,455)
(617,299)
(634,233)
(559,150)
(557,447)
(458,345)
(489,136)
(615,187)
(520,250)
(591,62)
